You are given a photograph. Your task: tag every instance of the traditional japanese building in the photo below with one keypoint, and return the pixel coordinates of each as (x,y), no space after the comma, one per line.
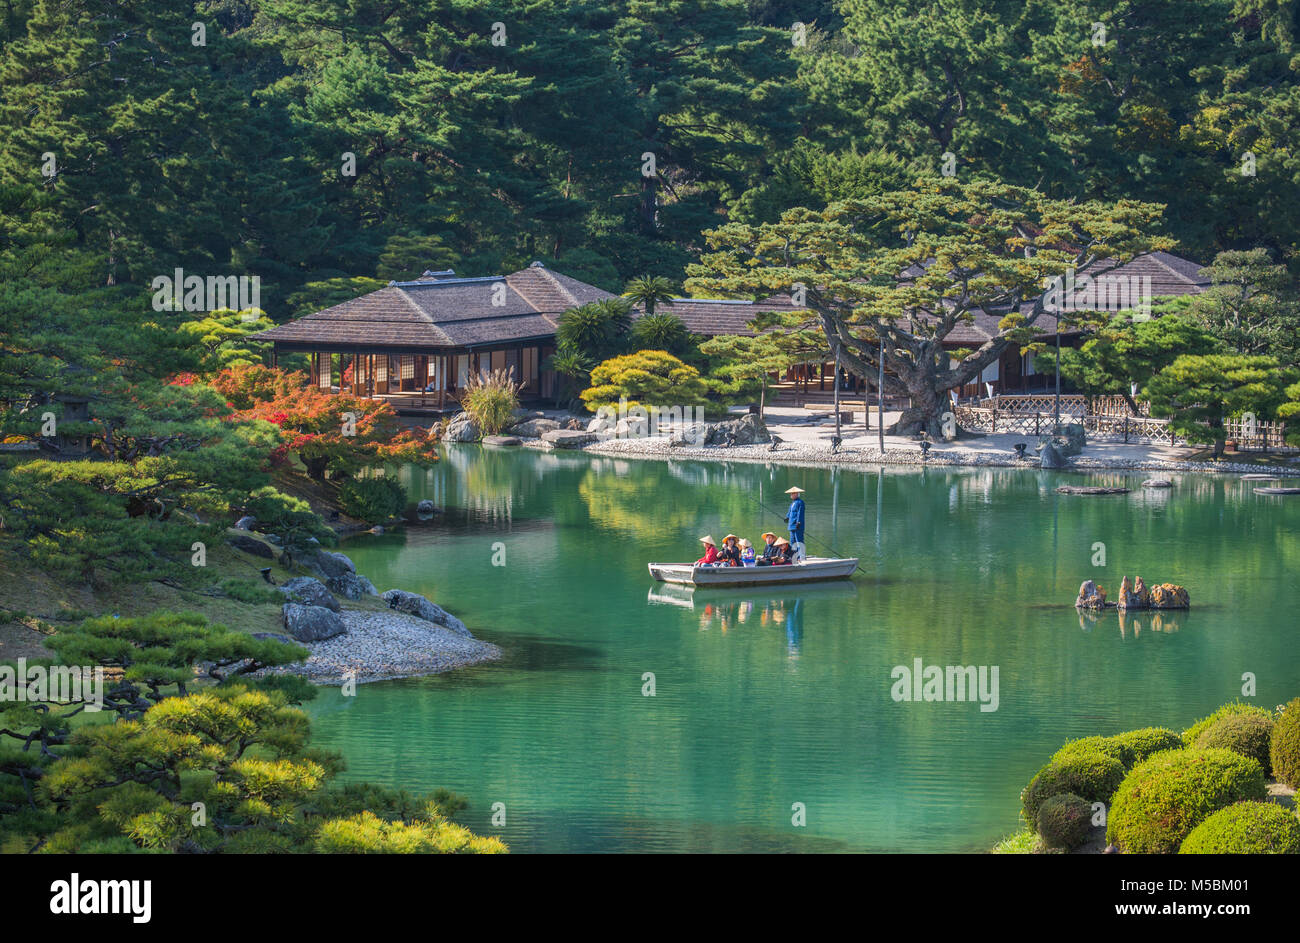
(417,343)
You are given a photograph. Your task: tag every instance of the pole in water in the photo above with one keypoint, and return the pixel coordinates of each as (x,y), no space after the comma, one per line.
(880,398)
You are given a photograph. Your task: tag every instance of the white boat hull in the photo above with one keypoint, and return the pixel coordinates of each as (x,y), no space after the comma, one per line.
(812,570)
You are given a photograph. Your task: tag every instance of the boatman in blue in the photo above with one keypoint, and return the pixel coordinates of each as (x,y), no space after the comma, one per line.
(794,520)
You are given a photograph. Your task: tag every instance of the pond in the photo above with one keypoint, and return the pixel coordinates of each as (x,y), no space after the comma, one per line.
(777,706)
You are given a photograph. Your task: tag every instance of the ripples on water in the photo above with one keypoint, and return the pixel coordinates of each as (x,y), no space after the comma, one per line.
(769,698)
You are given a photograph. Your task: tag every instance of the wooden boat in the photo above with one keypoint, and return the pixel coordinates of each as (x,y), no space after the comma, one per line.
(813,569)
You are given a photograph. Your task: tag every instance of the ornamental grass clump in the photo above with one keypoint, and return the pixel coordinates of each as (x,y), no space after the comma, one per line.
(1165,797)
(1245,733)
(1065,821)
(1092,776)
(1247,828)
(1284,745)
(491,400)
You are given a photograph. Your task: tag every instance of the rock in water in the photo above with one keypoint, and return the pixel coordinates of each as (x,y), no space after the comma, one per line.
(416,605)
(1134,596)
(309,592)
(533,428)
(502,441)
(1169,596)
(568,438)
(1091,596)
(312,623)
(1050,457)
(462,429)
(1157,483)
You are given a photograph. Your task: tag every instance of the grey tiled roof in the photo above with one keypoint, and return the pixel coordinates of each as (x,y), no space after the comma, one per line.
(440,310)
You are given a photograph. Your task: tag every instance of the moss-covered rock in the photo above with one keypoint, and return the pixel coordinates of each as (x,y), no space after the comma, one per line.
(1247,828)
(1064,821)
(1165,797)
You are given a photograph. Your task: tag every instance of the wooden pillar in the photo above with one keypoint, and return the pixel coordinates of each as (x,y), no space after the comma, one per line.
(275,356)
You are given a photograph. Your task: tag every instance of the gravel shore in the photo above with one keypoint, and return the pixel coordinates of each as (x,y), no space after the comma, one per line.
(788,454)
(381,646)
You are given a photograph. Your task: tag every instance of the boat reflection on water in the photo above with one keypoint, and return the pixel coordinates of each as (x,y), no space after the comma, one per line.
(728,609)
(1132,624)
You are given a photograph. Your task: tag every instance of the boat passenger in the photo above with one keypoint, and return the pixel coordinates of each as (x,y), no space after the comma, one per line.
(710,557)
(769,550)
(794,519)
(746,552)
(784,553)
(729,553)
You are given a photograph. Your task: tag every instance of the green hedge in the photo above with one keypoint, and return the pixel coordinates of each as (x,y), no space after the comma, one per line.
(1168,795)
(1227,710)
(1247,828)
(1128,748)
(1284,746)
(1065,821)
(1244,733)
(1092,776)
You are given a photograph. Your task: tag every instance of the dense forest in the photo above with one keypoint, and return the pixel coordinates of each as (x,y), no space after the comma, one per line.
(324,147)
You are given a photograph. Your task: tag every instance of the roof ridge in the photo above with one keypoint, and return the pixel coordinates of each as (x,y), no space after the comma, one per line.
(524,295)
(554,281)
(411,301)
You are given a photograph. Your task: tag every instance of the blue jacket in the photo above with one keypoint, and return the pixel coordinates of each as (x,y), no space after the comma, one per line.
(794,517)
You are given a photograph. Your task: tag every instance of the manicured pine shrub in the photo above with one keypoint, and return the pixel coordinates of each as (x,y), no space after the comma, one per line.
(372,500)
(1247,828)
(1165,797)
(1064,821)
(1227,710)
(1284,746)
(1093,776)
(1245,733)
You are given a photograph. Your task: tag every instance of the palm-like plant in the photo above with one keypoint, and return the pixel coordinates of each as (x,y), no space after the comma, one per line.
(661,331)
(594,330)
(648,291)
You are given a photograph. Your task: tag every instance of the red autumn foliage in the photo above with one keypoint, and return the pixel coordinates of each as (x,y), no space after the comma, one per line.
(336,433)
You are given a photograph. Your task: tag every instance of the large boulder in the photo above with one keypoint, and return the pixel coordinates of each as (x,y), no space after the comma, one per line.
(693,435)
(312,623)
(747,430)
(502,441)
(568,438)
(351,586)
(425,507)
(250,544)
(309,592)
(533,428)
(1050,456)
(462,428)
(330,564)
(247,522)
(416,605)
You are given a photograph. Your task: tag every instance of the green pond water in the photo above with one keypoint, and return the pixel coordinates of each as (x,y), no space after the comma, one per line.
(768,698)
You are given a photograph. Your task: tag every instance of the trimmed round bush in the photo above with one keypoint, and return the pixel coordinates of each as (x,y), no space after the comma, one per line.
(1129,748)
(1104,745)
(1165,797)
(1284,745)
(1247,828)
(1227,710)
(1092,776)
(1065,820)
(1246,733)
(1138,745)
